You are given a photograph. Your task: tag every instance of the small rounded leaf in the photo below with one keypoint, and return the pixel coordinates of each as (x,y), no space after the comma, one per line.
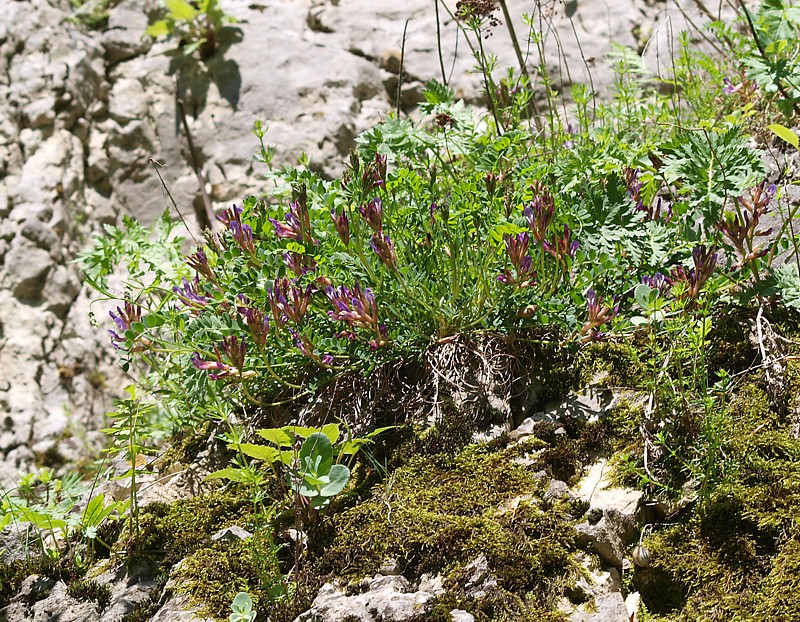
(339,476)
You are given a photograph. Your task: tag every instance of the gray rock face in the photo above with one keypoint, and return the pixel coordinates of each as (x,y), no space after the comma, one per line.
(19,542)
(608,536)
(612,515)
(384,599)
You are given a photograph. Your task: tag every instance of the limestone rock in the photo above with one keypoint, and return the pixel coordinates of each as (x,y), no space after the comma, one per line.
(384,599)
(608,535)
(231,534)
(19,542)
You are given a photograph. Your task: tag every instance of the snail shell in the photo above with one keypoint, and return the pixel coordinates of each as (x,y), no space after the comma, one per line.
(641,557)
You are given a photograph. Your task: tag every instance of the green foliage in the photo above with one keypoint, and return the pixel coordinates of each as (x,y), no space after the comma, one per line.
(46,504)
(196,25)
(618,236)
(774,63)
(93,14)
(242,607)
(712,169)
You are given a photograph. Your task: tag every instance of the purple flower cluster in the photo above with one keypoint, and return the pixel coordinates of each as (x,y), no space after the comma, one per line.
(517,251)
(306,348)
(380,243)
(342,225)
(562,247)
(705,260)
(634,189)
(242,233)
(234,351)
(741,227)
(599,315)
(190,295)
(359,309)
(123,319)
(299,263)
(658,281)
(198,261)
(288,301)
(256,320)
(374,174)
(297,225)
(540,212)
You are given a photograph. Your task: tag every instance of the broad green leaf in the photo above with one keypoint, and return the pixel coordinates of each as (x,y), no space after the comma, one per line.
(235,475)
(259,452)
(158,29)
(276,436)
(318,449)
(339,476)
(331,431)
(785,134)
(181,10)
(353,446)
(297,430)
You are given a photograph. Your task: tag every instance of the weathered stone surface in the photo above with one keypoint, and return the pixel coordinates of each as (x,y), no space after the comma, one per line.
(178,609)
(231,534)
(58,605)
(384,599)
(18,542)
(596,490)
(608,532)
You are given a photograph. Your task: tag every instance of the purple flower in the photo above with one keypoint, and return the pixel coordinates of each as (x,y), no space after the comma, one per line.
(562,247)
(381,243)
(306,348)
(358,308)
(190,295)
(258,325)
(540,211)
(598,316)
(289,231)
(374,174)
(199,262)
(219,368)
(242,233)
(517,249)
(373,214)
(124,318)
(730,88)
(741,227)
(634,189)
(299,263)
(234,351)
(342,225)
(658,281)
(298,222)
(232,214)
(288,302)
(705,260)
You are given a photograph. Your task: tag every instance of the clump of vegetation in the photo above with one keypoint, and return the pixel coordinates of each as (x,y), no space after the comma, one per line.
(622,244)
(197,26)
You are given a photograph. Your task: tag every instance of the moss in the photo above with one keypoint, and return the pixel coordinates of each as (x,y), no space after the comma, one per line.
(730,558)
(214,575)
(14,573)
(438,513)
(780,594)
(89,589)
(169,532)
(185,446)
(614,364)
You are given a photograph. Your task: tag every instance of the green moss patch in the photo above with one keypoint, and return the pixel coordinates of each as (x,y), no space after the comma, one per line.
(167,533)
